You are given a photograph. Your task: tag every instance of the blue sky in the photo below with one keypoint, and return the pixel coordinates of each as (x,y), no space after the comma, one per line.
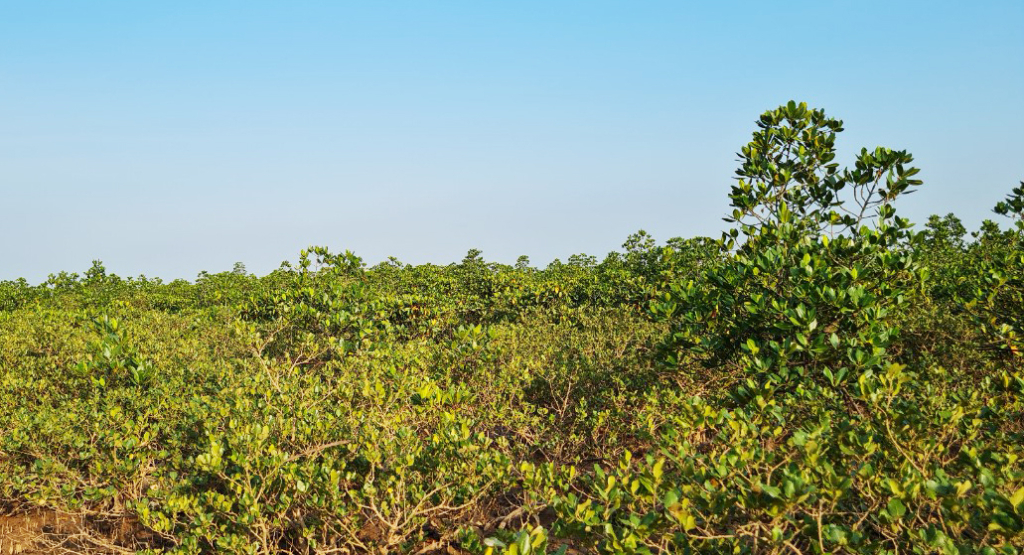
(167,138)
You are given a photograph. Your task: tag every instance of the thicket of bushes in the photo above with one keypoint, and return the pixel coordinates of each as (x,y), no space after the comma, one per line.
(824,378)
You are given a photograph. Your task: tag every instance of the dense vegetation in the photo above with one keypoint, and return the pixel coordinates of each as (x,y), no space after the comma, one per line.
(824,378)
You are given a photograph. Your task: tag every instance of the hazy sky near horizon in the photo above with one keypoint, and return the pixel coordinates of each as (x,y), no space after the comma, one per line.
(167,138)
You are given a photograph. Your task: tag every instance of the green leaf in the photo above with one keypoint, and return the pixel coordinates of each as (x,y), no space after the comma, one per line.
(895,508)
(1017,500)
(671,498)
(523,542)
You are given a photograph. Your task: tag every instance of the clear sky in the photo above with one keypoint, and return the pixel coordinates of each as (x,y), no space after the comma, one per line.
(166,138)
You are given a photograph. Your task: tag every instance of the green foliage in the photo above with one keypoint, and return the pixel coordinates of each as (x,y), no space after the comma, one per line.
(110,362)
(790,304)
(820,380)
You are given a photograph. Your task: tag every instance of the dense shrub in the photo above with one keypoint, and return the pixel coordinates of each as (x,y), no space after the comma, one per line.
(821,379)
